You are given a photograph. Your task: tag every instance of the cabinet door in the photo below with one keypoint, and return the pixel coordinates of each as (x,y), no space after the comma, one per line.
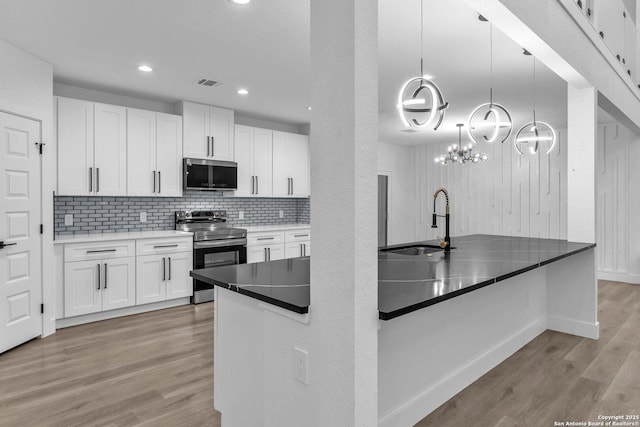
(195,130)
(263,161)
(299,165)
(141,152)
(81,293)
(256,254)
(151,278)
(281,182)
(244,158)
(169,155)
(118,283)
(221,132)
(110,145)
(179,283)
(276,252)
(293,250)
(75,147)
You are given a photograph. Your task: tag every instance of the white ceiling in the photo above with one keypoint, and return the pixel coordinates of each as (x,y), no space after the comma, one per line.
(265,47)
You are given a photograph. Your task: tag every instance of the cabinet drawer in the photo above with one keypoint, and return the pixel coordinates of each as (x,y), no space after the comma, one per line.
(301,235)
(163,246)
(99,250)
(267,238)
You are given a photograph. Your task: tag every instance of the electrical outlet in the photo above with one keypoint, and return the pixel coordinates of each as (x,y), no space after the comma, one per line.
(68,219)
(300,365)
(240,214)
(281,214)
(143,217)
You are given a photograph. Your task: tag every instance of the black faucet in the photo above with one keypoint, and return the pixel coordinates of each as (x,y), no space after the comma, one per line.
(446,243)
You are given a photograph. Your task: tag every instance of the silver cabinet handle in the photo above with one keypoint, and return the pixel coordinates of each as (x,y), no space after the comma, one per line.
(159,182)
(304,248)
(169,268)
(213,146)
(292,186)
(288,186)
(101,251)
(301,250)
(265,238)
(90,179)
(105,275)
(253,184)
(300,235)
(265,254)
(269,252)
(154,181)
(208,146)
(97,180)
(164,270)
(165,246)
(257,186)
(99,276)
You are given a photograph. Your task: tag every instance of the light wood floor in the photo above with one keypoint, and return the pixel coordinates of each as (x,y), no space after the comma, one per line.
(156,369)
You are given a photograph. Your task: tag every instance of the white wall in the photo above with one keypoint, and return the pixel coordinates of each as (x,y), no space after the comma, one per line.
(618,235)
(26,87)
(397,162)
(509,194)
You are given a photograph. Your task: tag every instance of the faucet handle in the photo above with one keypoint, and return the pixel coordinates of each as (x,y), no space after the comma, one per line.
(443,244)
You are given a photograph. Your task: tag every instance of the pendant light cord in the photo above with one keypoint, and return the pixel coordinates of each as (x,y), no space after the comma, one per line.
(421,36)
(491,65)
(533,90)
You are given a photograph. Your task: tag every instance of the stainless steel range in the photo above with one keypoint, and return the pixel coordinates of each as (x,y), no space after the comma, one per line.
(215,244)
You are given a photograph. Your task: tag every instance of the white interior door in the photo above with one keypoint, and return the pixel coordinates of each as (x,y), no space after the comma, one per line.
(20,218)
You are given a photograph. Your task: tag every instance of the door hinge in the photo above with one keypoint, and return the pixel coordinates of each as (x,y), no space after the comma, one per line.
(41,228)
(41,308)
(40,145)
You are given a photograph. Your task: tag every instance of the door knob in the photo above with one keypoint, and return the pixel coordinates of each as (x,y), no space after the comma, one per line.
(3,244)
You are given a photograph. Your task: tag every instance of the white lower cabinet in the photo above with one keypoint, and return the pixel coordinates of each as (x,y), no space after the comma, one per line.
(295,250)
(265,253)
(274,245)
(109,275)
(99,285)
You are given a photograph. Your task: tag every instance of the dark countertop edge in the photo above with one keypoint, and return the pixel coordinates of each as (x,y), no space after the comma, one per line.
(406,310)
(233,288)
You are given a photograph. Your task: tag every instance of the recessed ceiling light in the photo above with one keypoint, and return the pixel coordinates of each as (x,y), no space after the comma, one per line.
(145,68)
(243,92)
(309,108)
(240,1)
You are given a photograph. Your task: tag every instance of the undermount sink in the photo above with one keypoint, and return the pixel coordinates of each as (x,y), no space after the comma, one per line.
(414,250)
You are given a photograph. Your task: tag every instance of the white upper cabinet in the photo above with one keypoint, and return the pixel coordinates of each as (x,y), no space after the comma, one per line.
(75,147)
(208,132)
(253,153)
(92,148)
(290,165)
(154,153)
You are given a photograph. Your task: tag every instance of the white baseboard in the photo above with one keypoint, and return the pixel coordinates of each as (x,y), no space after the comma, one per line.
(615,276)
(574,327)
(429,400)
(127,311)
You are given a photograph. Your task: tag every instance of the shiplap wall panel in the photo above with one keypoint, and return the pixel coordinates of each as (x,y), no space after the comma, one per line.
(509,194)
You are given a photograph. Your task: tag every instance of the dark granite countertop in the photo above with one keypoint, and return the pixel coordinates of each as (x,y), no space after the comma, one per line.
(405,282)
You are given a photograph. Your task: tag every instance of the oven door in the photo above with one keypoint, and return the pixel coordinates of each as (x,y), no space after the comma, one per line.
(215,254)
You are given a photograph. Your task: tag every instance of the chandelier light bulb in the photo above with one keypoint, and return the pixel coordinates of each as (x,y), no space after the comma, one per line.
(458,153)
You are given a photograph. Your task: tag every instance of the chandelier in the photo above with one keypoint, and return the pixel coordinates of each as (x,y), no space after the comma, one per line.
(489,122)
(458,153)
(535,133)
(420,101)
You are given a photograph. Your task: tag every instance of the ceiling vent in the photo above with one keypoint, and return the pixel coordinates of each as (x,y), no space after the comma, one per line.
(209,83)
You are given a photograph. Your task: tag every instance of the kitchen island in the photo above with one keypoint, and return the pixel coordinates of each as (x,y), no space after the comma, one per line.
(445,320)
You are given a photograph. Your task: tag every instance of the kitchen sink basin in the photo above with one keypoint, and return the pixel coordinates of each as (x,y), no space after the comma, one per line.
(414,250)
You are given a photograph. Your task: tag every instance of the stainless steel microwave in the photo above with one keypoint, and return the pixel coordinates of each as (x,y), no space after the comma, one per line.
(209,175)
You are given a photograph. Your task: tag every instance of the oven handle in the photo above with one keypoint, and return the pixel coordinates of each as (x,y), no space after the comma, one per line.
(219,243)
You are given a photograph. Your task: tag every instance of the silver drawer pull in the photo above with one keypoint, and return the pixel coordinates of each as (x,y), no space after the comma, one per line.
(101,251)
(300,235)
(165,246)
(266,238)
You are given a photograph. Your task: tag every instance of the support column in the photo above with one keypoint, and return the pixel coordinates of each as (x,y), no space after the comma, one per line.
(343,361)
(581,164)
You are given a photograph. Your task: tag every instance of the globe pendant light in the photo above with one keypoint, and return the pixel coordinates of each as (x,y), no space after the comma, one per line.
(489,122)
(535,133)
(420,101)
(458,153)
